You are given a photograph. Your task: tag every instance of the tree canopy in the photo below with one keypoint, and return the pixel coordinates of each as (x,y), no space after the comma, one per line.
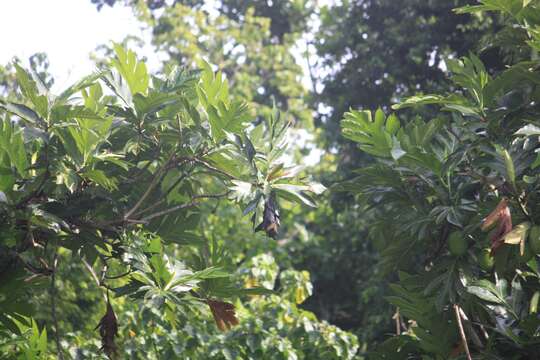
(347,180)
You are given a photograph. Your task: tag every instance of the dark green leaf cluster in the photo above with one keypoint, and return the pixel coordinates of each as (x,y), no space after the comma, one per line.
(436,187)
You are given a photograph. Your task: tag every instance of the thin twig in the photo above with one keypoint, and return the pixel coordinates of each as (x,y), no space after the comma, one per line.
(151,207)
(178,181)
(94,276)
(146,219)
(462,331)
(474,336)
(112,277)
(134,221)
(53,306)
(151,187)
(213,168)
(103,226)
(45,270)
(142,170)
(212,196)
(184,206)
(153,184)
(171,162)
(398,323)
(523,207)
(164,196)
(92,272)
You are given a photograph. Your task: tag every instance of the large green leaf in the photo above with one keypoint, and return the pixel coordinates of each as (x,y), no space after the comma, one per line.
(22,111)
(12,143)
(374,136)
(32,92)
(133,71)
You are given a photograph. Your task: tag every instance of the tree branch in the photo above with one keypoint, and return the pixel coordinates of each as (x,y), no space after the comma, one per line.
(396,318)
(474,336)
(148,191)
(94,276)
(146,219)
(169,190)
(462,331)
(184,206)
(213,168)
(118,276)
(53,306)
(155,182)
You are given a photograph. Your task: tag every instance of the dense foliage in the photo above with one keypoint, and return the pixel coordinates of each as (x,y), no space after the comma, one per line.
(259,45)
(119,184)
(438,185)
(156,216)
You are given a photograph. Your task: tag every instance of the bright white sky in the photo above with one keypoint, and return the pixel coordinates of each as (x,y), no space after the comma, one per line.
(67,30)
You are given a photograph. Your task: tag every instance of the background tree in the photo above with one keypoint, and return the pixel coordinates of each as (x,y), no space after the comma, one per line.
(376,52)
(256,37)
(39,63)
(285,16)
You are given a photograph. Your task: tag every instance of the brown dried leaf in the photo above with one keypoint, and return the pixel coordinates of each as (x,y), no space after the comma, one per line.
(223,313)
(502,217)
(495,215)
(108,330)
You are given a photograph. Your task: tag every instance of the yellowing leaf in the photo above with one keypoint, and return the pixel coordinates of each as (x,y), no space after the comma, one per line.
(533,308)
(287,319)
(518,236)
(300,295)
